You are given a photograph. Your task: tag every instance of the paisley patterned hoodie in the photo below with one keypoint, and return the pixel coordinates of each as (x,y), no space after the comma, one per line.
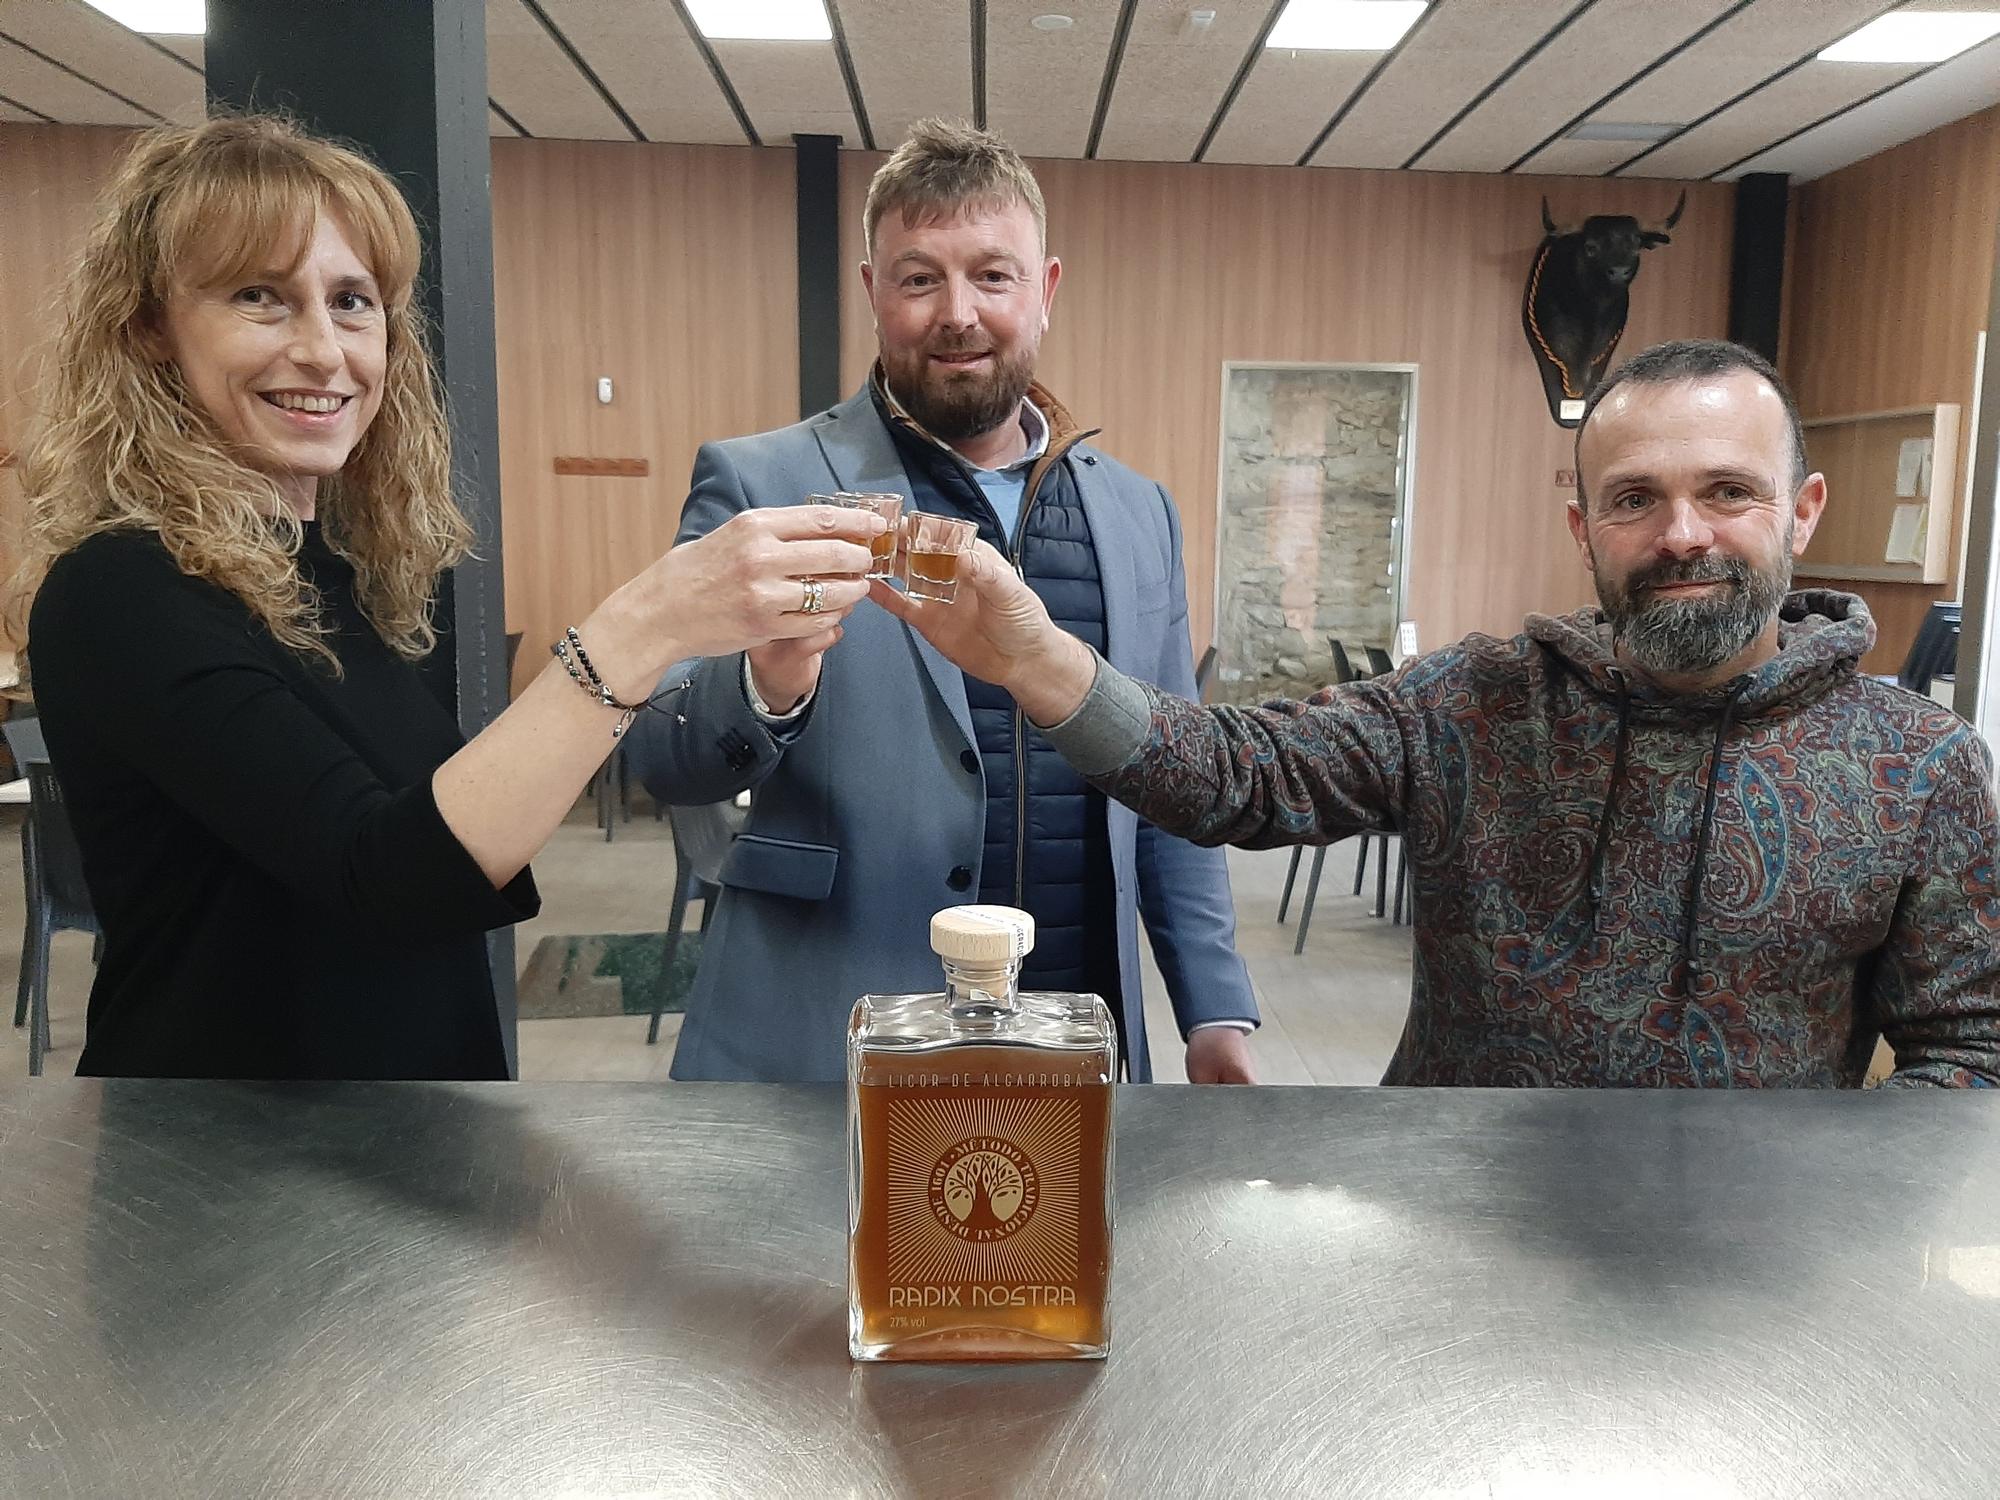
(1619,886)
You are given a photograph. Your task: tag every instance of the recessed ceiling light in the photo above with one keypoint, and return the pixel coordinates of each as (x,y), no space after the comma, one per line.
(1915,36)
(1053,22)
(158,17)
(761,20)
(1621,130)
(1344,25)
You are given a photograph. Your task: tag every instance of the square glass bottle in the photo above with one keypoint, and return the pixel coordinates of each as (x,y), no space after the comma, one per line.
(979,1159)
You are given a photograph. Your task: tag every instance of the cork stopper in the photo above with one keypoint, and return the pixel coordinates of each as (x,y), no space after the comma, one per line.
(982,936)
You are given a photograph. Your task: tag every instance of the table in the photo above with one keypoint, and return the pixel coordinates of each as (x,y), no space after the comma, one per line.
(436,1290)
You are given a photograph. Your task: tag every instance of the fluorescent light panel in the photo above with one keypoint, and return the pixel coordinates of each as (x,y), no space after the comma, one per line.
(157,17)
(1915,36)
(1344,25)
(761,20)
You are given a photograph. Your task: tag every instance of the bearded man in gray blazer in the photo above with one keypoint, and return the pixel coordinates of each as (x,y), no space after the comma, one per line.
(889,784)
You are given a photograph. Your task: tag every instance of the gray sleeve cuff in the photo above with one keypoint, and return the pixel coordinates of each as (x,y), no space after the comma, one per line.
(1108,727)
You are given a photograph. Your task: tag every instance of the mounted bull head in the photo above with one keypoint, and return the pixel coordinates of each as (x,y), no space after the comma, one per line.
(1578,289)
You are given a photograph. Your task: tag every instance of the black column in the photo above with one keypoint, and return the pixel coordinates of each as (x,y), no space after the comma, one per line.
(406,81)
(1757,261)
(817,162)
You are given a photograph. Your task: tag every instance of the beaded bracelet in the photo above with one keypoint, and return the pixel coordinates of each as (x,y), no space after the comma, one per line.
(576,661)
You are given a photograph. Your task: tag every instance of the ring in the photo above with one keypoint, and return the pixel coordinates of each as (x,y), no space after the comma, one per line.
(815,596)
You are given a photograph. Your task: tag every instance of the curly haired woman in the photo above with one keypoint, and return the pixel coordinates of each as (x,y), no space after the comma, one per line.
(239,509)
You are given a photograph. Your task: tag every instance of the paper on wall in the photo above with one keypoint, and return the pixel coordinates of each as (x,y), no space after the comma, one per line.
(1907,535)
(1913,467)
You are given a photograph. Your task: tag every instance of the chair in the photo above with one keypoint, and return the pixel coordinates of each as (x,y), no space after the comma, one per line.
(1343,672)
(616,773)
(52,867)
(702,836)
(1934,653)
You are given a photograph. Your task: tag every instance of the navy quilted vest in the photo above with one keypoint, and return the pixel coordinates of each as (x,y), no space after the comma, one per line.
(1048,846)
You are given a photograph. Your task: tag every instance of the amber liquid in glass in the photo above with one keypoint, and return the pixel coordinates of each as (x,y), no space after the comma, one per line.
(934,575)
(981,1211)
(882,554)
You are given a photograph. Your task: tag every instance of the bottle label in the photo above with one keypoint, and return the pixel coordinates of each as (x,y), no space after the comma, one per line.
(984,1190)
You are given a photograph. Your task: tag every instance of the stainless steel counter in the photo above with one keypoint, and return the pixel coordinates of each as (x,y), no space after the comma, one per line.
(419,1290)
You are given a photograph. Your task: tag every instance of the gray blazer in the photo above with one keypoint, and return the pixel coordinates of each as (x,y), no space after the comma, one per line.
(862,816)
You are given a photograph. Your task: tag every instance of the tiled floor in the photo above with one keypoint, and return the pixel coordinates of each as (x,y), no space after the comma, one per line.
(1331,1015)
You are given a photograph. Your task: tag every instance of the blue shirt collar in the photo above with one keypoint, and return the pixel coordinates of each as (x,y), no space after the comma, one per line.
(1033,424)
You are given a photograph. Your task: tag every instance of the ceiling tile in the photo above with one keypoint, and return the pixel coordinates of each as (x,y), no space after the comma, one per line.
(1613,40)
(1172,79)
(1740,54)
(1963,86)
(912,59)
(790,87)
(28,80)
(1814,91)
(643,54)
(107,53)
(1580,158)
(536,84)
(189,48)
(1458,52)
(14,116)
(1285,102)
(1041,86)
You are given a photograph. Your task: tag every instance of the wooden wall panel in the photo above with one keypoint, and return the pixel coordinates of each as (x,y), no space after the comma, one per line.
(1169,270)
(1891,265)
(49,175)
(670,269)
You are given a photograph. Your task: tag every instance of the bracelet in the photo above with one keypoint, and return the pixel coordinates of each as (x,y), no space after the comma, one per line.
(569,651)
(576,661)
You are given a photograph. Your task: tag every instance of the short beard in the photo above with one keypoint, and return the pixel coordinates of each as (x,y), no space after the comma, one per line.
(1679,637)
(957,407)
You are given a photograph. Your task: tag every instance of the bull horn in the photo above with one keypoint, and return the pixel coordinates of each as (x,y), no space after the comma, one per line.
(1675,217)
(1548,224)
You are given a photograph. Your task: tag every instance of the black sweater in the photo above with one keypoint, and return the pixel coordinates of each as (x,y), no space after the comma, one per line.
(279,895)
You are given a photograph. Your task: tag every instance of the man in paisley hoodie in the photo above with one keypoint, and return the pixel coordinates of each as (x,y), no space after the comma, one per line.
(1677,840)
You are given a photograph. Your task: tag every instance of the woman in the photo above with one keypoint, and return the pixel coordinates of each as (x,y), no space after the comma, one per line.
(239,508)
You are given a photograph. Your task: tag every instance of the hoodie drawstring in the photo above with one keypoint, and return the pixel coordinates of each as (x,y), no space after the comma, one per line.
(1594,880)
(1692,908)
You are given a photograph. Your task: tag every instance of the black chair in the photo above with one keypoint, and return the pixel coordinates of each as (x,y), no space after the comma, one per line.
(1934,653)
(702,836)
(1343,668)
(1380,665)
(613,779)
(52,870)
(1343,672)
(1204,675)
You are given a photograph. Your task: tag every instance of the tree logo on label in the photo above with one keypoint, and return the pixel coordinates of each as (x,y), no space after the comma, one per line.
(984,1189)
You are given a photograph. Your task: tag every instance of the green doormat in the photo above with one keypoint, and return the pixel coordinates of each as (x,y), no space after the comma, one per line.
(605,974)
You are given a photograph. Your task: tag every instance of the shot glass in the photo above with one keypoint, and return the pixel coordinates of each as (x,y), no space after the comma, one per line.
(932,548)
(881,548)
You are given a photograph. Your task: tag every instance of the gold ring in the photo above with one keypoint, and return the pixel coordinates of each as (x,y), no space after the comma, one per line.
(815,597)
